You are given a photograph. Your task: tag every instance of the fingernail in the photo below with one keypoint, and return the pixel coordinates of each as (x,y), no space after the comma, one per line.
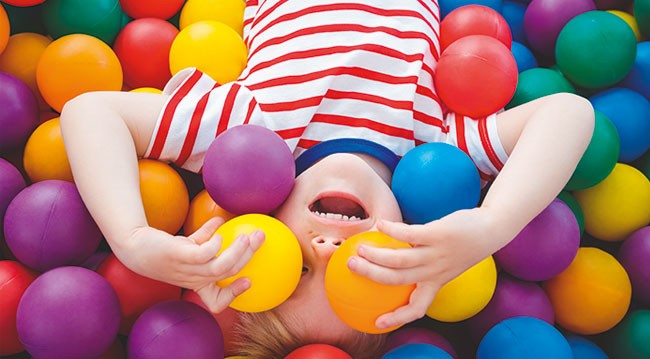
(353,263)
(243,239)
(381,325)
(361,250)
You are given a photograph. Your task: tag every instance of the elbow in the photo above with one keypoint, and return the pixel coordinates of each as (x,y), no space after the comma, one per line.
(580,116)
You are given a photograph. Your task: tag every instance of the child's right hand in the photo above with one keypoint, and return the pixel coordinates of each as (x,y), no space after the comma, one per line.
(192,262)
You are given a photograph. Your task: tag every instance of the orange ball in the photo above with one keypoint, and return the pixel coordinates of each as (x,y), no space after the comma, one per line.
(5,29)
(202,208)
(76,64)
(45,157)
(164,196)
(357,300)
(592,295)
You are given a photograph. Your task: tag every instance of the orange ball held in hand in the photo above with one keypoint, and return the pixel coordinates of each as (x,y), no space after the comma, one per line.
(357,300)
(45,156)
(202,208)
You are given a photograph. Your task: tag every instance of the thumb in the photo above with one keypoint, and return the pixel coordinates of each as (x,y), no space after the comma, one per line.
(401,231)
(206,231)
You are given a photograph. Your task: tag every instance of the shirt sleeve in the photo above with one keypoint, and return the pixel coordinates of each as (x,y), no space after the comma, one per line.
(249,15)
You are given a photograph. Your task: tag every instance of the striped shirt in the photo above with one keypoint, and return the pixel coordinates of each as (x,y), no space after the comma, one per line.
(327,69)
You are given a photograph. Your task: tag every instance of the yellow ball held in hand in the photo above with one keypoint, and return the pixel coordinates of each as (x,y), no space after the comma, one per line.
(229,12)
(357,300)
(274,270)
(466,295)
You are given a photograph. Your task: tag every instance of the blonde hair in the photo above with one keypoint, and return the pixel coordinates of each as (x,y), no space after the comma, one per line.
(267,335)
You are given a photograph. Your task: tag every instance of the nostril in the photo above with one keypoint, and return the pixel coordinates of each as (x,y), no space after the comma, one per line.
(337,242)
(320,241)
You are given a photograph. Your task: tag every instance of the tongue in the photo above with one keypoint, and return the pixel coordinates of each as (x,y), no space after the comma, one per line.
(342,206)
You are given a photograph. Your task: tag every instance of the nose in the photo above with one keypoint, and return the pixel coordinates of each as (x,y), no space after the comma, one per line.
(325,246)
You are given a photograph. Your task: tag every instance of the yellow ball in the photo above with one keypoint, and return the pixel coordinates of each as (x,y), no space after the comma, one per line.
(45,157)
(211,47)
(147,90)
(617,206)
(274,270)
(229,12)
(630,20)
(466,295)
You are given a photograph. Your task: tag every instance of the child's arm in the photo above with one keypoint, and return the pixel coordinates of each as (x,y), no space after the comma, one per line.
(545,139)
(104,134)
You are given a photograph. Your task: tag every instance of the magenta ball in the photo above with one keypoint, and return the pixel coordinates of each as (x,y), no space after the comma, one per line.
(47,225)
(18,113)
(512,298)
(634,256)
(545,247)
(11,183)
(175,329)
(418,335)
(249,169)
(544,19)
(68,312)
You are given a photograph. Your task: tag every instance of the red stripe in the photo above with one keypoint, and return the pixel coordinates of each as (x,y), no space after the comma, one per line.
(428,119)
(227,109)
(350,95)
(427,92)
(365,123)
(266,13)
(251,108)
(487,145)
(168,114)
(303,143)
(462,142)
(290,133)
(195,124)
(291,105)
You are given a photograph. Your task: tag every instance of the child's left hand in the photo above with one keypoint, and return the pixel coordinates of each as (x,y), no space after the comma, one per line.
(442,250)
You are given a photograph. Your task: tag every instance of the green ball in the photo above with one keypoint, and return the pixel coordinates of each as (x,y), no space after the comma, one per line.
(632,336)
(642,15)
(573,204)
(25,18)
(596,49)
(538,82)
(599,158)
(99,18)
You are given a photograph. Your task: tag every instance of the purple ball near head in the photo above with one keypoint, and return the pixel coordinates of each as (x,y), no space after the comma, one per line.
(512,298)
(11,183)
(416,335)
(544,19)
(68,312)
(18,112)
(634,256)
(545,247)
(249,169)
(47,225)
(175,329)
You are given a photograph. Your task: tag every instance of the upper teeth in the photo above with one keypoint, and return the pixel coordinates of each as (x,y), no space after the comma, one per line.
(337,216)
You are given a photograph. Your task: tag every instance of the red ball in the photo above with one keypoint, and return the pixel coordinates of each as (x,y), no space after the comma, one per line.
(14,280)
(136,293)
(474,20)
(23,3)
(143,50)
(161,9)
(318,351)
(476,76)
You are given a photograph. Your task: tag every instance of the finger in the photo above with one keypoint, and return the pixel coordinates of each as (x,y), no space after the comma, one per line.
(408,233)
(237,261)
(206,231)
(224,265)
(389,276)
(393,258)
(217,299)
(419,302)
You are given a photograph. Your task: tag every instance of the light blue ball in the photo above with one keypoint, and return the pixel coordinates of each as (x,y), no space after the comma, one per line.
(638,79)
(524,337)
(417,351)
(433,180)
(523,56)
(513,12)
(585,349)
(447,6)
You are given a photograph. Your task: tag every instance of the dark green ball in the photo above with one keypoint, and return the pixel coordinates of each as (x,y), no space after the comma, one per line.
(642,15)
(573,204)
(539,82)
(99,18)
(631,338)
(596,49)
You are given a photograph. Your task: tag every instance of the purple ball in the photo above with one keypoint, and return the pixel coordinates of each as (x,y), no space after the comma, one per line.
(175,329)
(544,19)
(634,256)
(249,169)
(47,225)
(18,113)
(545,247)
(11,183)
(68,312)
(416,335)
(512,298)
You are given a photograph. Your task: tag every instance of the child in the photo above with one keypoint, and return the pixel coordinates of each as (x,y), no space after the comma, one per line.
(349,86)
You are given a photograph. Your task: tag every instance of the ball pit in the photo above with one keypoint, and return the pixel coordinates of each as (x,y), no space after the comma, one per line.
(45,157)
(634,256)
(412,335)
(571,201)
(25,18)
(417,351)
(5,29)
(514,11)
(642,15)
(638,79)
(474,20)
(539,82)
(23,2)
(229,12)
(202,208)
(631,22)
(19,114)
(11,183)
(101,19)
(523,56)
(14,280)
(585,349)
(447,6)
(151,8)
(630,338)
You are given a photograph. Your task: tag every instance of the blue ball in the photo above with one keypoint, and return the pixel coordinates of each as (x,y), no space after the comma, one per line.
(629,111)
(513,12)
(524,337)
(639,77)
(447,6)
(433,180)
(523,56)
(585,349)
(417,351)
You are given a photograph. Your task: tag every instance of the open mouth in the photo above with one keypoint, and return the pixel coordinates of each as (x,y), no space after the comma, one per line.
(338,208)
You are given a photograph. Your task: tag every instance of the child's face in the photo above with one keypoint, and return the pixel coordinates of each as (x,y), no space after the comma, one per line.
(341,195)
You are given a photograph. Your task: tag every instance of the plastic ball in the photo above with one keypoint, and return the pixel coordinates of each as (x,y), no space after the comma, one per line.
(227,320)
(47,225)
(595,49)
(212,47)
(357,300)
(571,201)
(45,157)
(417,351)
(447,6)
(229,12)
(19,115)
(135,292)
(513,12)
(415,335)
(512,298)
(592,295)
(523,56)
(476,76)
(545,247)
(164,195)
(264,270)
(585,349)
(68,312)
(5,29)
(99,18)
(318,351)
(11,183)
(642,16)
(465,295)
(147,90)
(143,50)
(630,338)
(630,20)
(151,8)
(539,82)
(23,2)
(473,20)
(599,159)
(634,255)
(433,180)
(618,205)
(248,151)
(638,79)
(76,64)
(202,208)
(14,280)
